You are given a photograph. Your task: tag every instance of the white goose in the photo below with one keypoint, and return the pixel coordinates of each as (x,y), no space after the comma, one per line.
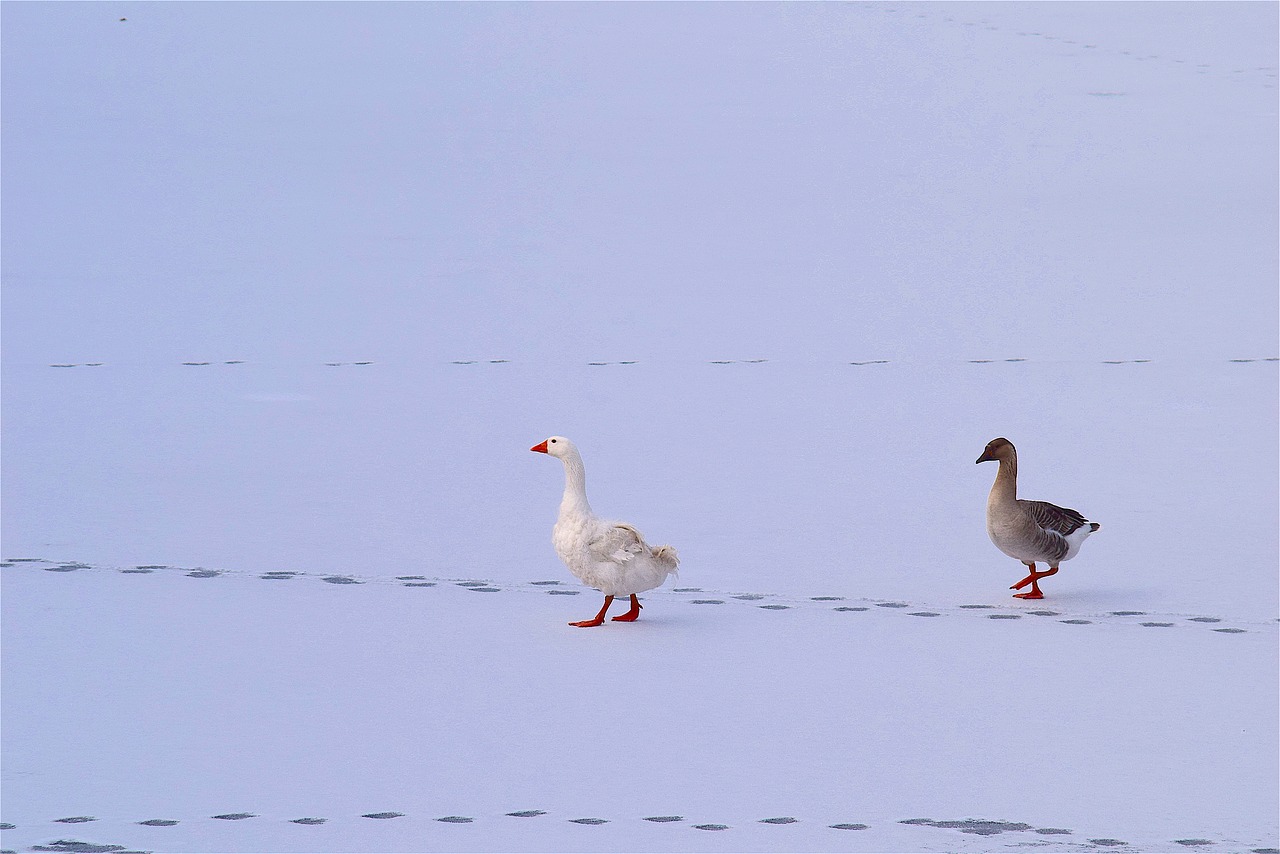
(1030,531)
(612,557)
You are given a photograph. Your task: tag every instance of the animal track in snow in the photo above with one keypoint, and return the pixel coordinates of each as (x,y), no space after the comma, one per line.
(971,826)
(763,601)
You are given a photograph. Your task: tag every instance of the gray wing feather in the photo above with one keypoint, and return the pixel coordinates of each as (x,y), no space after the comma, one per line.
(1051,517)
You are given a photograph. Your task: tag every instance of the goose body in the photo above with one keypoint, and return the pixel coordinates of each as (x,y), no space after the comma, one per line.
(1029,531)
(610,556)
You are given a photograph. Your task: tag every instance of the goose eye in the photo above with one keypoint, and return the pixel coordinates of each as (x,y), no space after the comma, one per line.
(553,441)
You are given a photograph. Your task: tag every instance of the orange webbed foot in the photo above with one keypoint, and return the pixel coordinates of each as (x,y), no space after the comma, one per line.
(631,615)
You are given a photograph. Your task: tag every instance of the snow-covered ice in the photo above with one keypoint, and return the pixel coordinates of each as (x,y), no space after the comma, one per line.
(290,290)
(162,696)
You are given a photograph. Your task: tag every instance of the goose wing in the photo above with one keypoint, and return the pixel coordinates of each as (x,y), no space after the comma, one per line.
(1051,517)
(616,542)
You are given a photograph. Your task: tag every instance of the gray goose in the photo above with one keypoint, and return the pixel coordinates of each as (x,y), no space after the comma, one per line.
(1031,531)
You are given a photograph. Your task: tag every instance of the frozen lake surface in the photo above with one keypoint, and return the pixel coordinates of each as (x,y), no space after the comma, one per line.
(756,722)
(304,647)
(290,290)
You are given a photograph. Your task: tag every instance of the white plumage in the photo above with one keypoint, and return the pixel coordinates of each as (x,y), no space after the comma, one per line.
(610,556)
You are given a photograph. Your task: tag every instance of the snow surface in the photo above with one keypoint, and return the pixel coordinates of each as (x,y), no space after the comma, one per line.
(157,695)
(289,291)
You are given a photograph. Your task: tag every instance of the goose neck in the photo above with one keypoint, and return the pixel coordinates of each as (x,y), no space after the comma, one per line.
(575,487)
(1006,486)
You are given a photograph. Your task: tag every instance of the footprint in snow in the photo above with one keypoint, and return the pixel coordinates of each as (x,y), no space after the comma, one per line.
(1128,613)
(543,583)
(850,608)
(564,592)
(1108,843)
(923,614)
(456,819)
(235,816)
(775,607)
(1077,622)
(849,826)
(308,820)
(891,604)
(976,607)
(203,573)
(1157,625)
(1004,616)
(664,818)
(591,821)
(419,584)
(786,819)
(340,579)
(159,822)
(527,813)
(1231,631)
(979,827)
(1204,619)
(711,827)
(1053,831)
(75,819)
(1190,842)
(383,815)
(750,597)
(706,601)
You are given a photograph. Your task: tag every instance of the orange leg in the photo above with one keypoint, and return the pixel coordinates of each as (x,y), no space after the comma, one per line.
(1034,580)
(630,616)
(598,618)
(1030,578)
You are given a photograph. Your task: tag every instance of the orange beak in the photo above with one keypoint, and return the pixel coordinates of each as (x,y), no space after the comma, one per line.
(541,447)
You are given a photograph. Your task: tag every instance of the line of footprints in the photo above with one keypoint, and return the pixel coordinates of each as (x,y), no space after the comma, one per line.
(636,362)
(979,827)
(557,588)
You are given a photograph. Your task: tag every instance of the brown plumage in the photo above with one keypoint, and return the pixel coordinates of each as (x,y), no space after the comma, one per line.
(1029,531)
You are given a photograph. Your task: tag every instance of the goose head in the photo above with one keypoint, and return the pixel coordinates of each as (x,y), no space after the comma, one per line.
(556,446)
(997,449)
